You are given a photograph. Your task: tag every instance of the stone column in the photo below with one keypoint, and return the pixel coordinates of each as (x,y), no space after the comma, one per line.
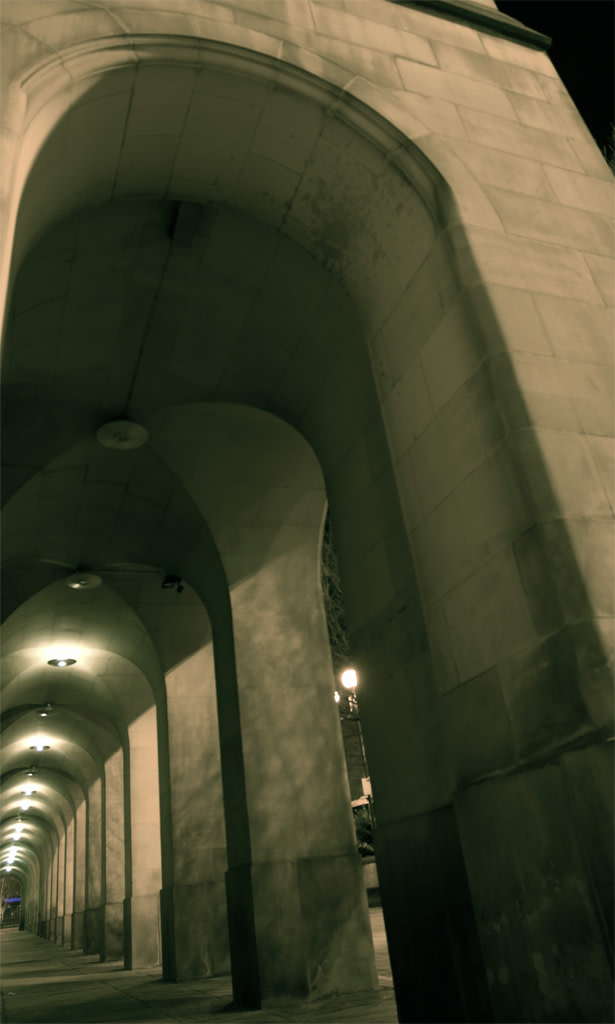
(77,938)
(59,935)
(92,942)
(194,913)
(485,666)
(53,903)
(113,908)
(298,917)
(426,896)
(538,845)
(142,903)
(69,891)
(45,891)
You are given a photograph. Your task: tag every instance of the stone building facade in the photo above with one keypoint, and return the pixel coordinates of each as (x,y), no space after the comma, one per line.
(261,258)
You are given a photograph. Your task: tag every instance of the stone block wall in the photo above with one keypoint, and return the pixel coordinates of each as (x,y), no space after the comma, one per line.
(434,166)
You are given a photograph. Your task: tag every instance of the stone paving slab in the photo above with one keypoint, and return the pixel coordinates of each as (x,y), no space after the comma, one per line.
(45,984)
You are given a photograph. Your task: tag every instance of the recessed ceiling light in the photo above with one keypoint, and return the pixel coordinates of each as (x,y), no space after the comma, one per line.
(45,711)
(40,746)
(122,434)
(62,662)
(83,581)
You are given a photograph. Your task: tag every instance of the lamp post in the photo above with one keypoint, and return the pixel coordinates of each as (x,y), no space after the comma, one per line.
(350,680)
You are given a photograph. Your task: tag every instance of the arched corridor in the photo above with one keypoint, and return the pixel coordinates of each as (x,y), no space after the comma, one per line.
(251,278)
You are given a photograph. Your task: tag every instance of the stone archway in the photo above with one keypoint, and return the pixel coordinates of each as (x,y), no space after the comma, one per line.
(435,433)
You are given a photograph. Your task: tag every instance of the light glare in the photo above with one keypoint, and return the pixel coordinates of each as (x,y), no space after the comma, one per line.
(349,678)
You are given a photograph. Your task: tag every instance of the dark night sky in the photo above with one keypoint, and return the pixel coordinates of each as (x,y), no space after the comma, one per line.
(582,51)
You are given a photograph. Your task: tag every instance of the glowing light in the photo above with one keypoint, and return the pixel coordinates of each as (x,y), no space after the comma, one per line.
(28,791)
(40,746)
(336,697)
(349,678)
(83,581)
(25,805)
(9,867)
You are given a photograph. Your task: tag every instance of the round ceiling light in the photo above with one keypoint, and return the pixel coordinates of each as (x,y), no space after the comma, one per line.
(83,581)
(40,746)
(122,434)
(62,662)
(46,711)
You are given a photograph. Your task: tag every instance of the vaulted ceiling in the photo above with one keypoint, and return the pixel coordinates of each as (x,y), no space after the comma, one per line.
(182,262)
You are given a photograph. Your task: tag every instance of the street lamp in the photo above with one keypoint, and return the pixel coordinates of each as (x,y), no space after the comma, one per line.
(350,680)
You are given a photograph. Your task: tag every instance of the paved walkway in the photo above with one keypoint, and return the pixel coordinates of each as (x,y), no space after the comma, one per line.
(45,984)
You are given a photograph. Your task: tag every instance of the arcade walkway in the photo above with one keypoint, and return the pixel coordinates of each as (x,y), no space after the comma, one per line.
(46,984)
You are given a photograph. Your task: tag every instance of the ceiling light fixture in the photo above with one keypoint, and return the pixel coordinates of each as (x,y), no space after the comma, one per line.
(40,746)
(170,582)
(62,662)
(83,581)
(45,711)
(123,434)
(32,770)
